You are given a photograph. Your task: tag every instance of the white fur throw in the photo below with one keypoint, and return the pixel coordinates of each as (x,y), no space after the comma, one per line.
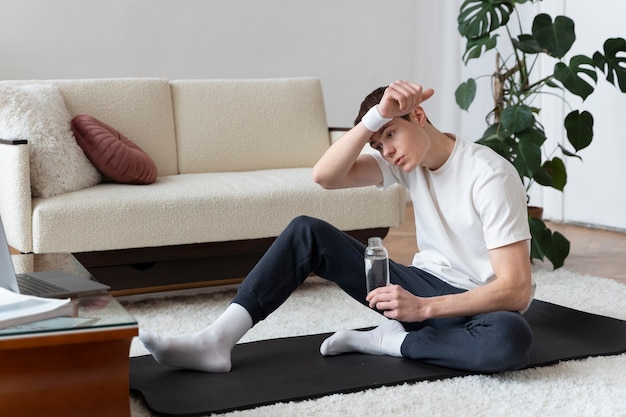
(38,114)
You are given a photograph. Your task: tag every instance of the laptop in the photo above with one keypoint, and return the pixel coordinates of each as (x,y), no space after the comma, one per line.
(48,284)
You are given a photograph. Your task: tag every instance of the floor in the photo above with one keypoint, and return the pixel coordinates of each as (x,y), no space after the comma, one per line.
(596,252)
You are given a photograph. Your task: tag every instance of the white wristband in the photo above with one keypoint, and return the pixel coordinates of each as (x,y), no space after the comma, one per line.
(373,121)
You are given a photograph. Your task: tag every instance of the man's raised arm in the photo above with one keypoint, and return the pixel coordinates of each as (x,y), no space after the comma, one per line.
(343,166)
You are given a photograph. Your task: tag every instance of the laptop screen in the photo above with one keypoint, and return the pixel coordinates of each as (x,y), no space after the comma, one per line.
(7,272)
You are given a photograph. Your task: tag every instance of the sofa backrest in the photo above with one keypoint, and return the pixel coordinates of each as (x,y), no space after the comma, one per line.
(139,108)
(252,124)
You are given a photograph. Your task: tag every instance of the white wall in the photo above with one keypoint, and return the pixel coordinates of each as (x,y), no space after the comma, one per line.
(345,43)
(353,46)
(595,190)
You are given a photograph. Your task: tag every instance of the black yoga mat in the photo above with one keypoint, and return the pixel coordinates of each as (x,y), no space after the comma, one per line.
(292,369)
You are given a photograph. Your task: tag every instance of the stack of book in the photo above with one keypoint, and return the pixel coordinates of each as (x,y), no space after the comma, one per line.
(16,309)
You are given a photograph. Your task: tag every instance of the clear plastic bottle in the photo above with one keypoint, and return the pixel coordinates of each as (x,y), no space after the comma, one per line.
(376,264)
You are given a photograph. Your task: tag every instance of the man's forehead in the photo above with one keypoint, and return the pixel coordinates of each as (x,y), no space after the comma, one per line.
(376,137)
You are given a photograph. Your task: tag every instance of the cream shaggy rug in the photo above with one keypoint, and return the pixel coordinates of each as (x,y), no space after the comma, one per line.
(589,387)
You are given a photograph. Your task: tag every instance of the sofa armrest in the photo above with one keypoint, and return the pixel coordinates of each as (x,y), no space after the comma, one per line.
(15,193)
(336,132)
(14,141)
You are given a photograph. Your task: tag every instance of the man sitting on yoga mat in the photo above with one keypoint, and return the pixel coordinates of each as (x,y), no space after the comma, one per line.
(458,305)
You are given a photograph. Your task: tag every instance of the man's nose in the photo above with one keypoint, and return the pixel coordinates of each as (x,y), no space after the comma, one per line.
(388,150)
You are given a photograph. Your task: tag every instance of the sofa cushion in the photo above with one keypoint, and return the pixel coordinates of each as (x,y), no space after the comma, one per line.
(112,153)
(37,112)
(210,207)
(246,125)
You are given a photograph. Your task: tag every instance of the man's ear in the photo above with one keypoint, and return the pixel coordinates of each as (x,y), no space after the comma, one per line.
(419,115)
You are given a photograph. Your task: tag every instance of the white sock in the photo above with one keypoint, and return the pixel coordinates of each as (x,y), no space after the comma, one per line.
(385,339)
(208,350)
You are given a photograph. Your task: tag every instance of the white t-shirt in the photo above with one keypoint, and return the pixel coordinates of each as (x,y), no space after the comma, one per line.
(473,203)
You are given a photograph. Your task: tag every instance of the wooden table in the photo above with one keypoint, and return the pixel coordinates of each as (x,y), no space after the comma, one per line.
(69,366)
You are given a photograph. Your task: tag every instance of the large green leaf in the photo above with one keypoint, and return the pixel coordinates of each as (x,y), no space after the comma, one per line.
(545,243)
(613,66)
(579,127)
(527,44)
(555,38)
(569,76)
(534,133)
(475,47)
(557,249)
(528,159)
(495,132)
(542,177)
(552,174)
(517,118)
(537,230)
(508,148)
(501,141)
(465,94)
(480,17)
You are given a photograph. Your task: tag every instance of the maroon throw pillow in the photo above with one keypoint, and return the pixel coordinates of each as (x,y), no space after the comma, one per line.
(112,153)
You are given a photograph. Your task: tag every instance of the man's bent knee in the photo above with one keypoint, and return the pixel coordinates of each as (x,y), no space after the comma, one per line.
(511,344)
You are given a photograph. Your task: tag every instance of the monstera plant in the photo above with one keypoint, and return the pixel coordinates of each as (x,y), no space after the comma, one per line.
(514,127)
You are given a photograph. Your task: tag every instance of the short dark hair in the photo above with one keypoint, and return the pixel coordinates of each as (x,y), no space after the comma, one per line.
(373,99)
(370,101)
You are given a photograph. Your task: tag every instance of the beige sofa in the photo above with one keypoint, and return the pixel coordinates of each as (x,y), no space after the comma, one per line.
(234,162)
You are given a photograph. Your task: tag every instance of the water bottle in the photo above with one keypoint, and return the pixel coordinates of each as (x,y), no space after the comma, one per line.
(376,264)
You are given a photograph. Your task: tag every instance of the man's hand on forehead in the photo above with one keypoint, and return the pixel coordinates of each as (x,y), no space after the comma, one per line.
(402,97)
